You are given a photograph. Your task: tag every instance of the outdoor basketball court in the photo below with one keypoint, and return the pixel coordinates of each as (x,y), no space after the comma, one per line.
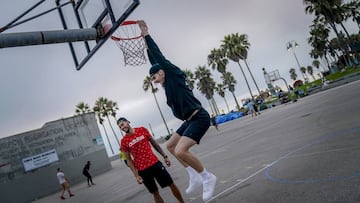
(305,151)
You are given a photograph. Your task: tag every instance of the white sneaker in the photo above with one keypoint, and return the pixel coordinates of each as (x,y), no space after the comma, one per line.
(209,187)
(194,183)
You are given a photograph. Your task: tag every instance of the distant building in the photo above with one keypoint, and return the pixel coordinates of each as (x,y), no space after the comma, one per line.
(28,161)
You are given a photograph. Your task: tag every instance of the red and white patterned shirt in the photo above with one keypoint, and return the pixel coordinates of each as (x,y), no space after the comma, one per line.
(139,147)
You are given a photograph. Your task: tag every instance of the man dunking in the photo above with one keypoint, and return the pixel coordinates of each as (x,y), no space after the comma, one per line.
(185,107)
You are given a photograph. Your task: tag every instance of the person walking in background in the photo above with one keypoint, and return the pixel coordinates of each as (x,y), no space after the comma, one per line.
(64,183)
(185,107)
(86,173)
(123,157)
(145,165)
(213,121)
(251,106)
(257,105)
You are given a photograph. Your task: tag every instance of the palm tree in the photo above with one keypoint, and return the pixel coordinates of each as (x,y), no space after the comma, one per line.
(110,109)
(206,85)
(190,80)
(333,13)
(217,60)
(101,121)
(147,84)
(319,34)
(310,71)
(231,45)
(293,74)
(230,82)
(244,45)
(220,89)
(334,49)
(353,10)
(103,106)
(82,108)
(316,63)
(113,107)
(303,72)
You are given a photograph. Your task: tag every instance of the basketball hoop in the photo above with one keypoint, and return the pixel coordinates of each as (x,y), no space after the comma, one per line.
(128,38)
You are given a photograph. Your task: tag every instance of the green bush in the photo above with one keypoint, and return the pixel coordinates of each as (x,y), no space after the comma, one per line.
(340,74)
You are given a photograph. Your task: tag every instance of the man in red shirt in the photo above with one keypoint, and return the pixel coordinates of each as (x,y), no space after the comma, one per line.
(143,162)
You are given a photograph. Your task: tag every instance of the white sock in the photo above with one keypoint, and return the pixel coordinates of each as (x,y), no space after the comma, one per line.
(204,174)
(191,171)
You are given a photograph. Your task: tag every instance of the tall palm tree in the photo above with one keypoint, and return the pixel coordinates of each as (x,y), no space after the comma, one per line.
(310,71)
(82,108)
(333,13)
(353,11)
(303,72)
(190,78)
(217,60)
(101,122)
(319,34)
(231,45)
(243,48)
(103,106)
(230,82)
(316,63)
(206,85)
(293,74)
(220,89)
(147,84)
(113,107)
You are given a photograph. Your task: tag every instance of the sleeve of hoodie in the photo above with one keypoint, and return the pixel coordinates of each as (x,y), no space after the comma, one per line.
(154,53)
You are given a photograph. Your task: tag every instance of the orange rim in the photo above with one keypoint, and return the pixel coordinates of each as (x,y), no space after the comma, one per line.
(129,22)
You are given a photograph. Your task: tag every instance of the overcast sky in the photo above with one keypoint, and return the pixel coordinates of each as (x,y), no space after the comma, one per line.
(40,83)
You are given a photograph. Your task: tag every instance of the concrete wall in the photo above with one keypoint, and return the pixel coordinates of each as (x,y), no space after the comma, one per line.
(76,140)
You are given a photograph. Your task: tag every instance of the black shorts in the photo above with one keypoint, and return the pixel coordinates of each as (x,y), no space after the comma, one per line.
(87,174)
(158,172)
(196,127)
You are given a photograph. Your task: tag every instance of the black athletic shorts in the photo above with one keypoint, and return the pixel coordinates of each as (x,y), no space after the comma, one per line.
(158,172)
(196,127)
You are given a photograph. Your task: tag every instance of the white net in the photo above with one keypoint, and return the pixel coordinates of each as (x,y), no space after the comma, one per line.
(128,38)
(133,51)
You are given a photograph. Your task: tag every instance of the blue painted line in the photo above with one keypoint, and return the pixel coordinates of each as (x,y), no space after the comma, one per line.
(312,180)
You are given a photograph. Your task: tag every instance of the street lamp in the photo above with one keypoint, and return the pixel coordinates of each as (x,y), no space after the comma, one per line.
(291,47)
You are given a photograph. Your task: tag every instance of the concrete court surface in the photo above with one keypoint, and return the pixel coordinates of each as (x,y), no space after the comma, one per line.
(307,151)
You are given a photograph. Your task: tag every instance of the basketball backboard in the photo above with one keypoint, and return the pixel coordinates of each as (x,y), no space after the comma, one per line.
(272,76)
(93,14)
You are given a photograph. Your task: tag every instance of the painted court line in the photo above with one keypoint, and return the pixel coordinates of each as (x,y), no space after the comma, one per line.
(233,186)
(316,141)
(259,171)
(254,174)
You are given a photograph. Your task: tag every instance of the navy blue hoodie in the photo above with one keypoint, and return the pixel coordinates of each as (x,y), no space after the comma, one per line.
(179,96)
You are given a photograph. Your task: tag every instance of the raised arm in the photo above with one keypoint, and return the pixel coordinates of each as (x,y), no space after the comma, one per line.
(153,51)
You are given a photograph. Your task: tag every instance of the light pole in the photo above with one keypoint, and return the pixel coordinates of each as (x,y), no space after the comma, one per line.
(290,46)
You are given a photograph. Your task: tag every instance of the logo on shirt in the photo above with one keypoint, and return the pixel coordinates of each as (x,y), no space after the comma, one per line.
(136,140)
